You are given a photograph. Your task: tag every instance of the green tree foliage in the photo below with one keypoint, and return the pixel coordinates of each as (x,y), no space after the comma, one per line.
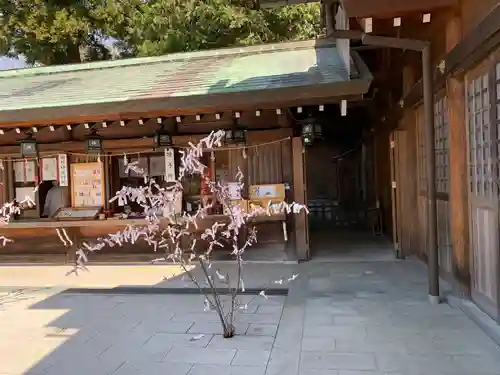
(164,26)
(51,31)
(65,31)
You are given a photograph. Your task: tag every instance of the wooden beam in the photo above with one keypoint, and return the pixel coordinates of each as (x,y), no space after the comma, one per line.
(389,8)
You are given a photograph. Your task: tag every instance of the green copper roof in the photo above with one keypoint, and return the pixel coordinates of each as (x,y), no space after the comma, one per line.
(173,77)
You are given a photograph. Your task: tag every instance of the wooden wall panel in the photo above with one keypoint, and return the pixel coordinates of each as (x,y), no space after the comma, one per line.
(265,165)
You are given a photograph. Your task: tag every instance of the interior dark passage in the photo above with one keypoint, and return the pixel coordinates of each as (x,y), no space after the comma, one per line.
(344,219)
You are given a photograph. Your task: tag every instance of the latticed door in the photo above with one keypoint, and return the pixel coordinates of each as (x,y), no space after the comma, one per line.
(483,154)
(441,136)
(421,182)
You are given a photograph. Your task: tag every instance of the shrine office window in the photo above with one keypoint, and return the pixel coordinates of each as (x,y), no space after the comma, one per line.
(441,139)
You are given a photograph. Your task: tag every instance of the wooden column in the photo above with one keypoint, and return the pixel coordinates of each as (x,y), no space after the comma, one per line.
(459,188)
(300,196)
(107,180)
(9,180)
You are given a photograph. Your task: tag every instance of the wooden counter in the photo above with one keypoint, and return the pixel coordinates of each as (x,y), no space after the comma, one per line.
(48,223)
(39,237)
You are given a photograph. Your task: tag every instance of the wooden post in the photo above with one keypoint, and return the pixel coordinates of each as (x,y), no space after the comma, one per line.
(107,180)
(459,188)
(300,196)
(10,181)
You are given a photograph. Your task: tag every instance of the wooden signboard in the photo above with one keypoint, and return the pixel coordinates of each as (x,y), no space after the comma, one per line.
(49,169)
(270,191)
(24,171)
(261,196)
(87,185)
(77,213)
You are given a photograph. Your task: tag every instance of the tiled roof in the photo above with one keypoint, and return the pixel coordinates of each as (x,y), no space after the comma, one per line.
(176,75)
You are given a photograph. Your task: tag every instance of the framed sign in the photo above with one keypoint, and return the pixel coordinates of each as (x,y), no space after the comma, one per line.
(49,169)
(271,191)
(234,190)
(77,213)
(24,171)
(87,185)
(62,166)
(169,156)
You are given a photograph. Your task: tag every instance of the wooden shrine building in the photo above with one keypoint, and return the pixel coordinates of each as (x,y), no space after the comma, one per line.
(125,103)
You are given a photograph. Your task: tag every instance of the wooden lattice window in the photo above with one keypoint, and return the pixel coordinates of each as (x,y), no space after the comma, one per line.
(482,182)
(496,117)
(421,160)
(441,145)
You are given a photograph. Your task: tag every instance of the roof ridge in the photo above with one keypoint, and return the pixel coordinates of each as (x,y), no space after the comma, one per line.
(173,57)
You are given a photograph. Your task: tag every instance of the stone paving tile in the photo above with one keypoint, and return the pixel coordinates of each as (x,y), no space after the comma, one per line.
(154,368)
(215,328)
(256,329)
(195,317)
(251,358)
(259,318)
(269,309)
(199,369)
(360,345)
(242,342)
(322,372)
(314,344)
(283,362)
(337,361)
(317,318)
(79,365)
(335,331)
(179,339)
(157,326)
(201,355)
(125,351)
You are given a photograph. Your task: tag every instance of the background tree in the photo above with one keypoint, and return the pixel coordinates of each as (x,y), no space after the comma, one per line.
(68,31)
(158,27)
(52,31)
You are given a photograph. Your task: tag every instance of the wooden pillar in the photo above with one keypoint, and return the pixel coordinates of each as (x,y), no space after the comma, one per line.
(459,188)
(300,196)
(9,180)
(107,180)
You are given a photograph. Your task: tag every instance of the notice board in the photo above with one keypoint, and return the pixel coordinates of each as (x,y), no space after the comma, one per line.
(87,185)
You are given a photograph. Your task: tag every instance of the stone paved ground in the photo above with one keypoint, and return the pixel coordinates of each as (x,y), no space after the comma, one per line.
(339,319)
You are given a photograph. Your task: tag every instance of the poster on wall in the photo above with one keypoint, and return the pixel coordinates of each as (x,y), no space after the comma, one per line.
(49,169)
(169,165)
(62,166)
(87,185)
(24,171)
(276,191)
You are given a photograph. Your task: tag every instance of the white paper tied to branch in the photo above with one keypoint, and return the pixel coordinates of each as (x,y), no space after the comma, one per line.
(173,236)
